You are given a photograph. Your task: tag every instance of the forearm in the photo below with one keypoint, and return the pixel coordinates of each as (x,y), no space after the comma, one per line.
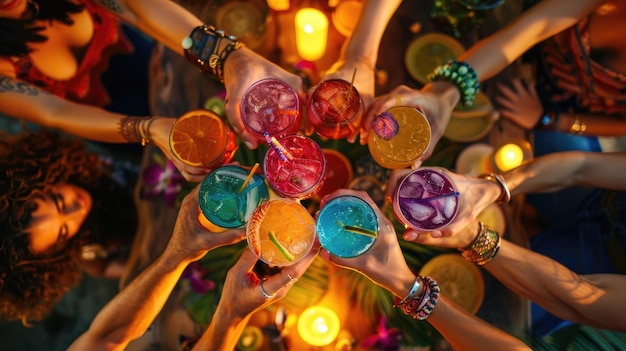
(130,313)
(365,39)
(222,333)
(546,282)
(491,55)
(561,170)
(466,332)
(588,124)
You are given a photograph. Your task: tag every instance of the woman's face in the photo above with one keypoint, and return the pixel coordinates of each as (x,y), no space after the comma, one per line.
(12,8)
(59,215)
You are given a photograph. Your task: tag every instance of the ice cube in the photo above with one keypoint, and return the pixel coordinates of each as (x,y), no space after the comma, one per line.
(448,207)
(418,211)
(411,190)
(435,183)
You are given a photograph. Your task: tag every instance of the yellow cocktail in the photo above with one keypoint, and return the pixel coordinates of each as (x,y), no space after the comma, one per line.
(281,232)
(399,136)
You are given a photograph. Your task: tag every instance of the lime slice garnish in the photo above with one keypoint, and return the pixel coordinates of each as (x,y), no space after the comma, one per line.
(289,257)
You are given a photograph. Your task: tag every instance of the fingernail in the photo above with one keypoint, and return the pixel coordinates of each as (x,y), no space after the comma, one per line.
(410,236)
(249,145)
(324,254)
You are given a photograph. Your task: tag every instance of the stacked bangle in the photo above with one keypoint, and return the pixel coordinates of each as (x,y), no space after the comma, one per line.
(420,306)
(129,128)
(201,48)
(484,248)
(505,193)
(462,75)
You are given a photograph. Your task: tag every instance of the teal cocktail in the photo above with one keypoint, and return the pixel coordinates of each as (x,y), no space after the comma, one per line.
(226,200)
(347,226)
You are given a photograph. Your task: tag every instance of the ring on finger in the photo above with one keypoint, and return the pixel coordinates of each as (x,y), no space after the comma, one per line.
(293,280)
(265,294)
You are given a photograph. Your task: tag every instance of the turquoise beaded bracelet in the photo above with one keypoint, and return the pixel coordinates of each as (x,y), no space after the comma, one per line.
(462,75)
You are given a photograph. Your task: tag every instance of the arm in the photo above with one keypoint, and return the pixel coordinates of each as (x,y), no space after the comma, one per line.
(384,264)
(130,313)
(596,300)
(241,297)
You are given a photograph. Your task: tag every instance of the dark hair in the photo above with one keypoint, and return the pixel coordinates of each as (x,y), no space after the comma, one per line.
(30,285)
(16,34)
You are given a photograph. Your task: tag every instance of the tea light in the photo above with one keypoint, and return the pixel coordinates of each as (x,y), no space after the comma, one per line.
(508,157)
(311,33)
(318,326)
(278,5)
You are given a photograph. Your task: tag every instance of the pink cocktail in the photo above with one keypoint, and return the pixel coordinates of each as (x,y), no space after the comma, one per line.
(335,109)
(295,166)
(426,199)
(270,108)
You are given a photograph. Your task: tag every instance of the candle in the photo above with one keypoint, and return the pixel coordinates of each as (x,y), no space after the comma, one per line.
(278,5)
(311,33)
(318,326)
(508,157)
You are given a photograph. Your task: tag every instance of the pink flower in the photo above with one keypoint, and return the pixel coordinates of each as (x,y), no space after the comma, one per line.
(162,180)
(385,339)
(195,273)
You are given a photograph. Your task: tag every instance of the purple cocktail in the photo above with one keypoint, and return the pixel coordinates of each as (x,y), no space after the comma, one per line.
(426,199)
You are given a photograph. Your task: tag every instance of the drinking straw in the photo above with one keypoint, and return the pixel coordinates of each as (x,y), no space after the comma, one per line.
(359,230)
(250,175)
(351,84)
(284,154)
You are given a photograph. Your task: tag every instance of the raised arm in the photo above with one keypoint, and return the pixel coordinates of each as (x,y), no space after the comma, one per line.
(130,313)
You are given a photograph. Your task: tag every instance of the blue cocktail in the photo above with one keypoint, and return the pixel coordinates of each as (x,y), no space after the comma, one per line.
(229,195)
(347,226)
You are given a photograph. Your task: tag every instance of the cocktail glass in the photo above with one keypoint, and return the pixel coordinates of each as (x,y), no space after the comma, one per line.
(201,138)
(295,166)
(399,136)
(281,232)
(270,108)
(228,196)
(347,226)
(335,109)
(426,199)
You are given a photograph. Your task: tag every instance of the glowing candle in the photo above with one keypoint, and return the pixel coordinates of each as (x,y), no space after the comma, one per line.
(278,5)
(311,33)
(508,157)
(318,326)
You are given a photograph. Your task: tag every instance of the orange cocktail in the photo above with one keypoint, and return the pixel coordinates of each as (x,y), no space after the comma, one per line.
(399,136)
(281,232)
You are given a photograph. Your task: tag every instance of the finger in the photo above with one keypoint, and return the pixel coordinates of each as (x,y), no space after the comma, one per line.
(506,91)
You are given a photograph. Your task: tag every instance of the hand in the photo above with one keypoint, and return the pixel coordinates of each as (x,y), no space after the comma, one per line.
(242,294)
(436,100)
(364,82)
(243,68)
(160,134)
(519,103)
(190,241)
(475,195)
(384,259)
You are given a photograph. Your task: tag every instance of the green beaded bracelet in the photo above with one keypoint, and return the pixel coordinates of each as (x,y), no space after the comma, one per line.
(462,75)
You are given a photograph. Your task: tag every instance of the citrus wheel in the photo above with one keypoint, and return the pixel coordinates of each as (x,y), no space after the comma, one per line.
(460,280)
(200,138)
(428,51)
(338,172)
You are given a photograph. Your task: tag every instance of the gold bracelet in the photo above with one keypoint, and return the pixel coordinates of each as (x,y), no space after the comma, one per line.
(484,248)
(505,193)
(578,127)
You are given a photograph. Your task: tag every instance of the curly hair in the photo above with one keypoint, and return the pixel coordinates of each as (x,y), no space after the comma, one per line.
(30,164)
(15,34)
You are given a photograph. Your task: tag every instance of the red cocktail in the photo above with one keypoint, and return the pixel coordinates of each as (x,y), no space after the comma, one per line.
(335,109)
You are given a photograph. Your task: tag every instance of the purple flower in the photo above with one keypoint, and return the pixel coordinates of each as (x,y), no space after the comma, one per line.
(165,180)
(385,339)
(385,126)
(195,273)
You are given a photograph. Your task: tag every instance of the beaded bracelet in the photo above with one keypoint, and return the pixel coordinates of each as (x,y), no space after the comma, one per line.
(420,307)
(484,248)
(462,75)
(505,194)
(201,45)
(130,131)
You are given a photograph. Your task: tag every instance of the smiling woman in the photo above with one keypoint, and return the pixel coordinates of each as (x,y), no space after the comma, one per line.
(58,203)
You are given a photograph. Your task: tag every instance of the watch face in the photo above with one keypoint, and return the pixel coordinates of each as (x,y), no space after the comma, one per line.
(203,45)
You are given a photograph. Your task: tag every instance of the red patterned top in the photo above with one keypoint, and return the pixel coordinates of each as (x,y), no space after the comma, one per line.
(85,86)
(596,88)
